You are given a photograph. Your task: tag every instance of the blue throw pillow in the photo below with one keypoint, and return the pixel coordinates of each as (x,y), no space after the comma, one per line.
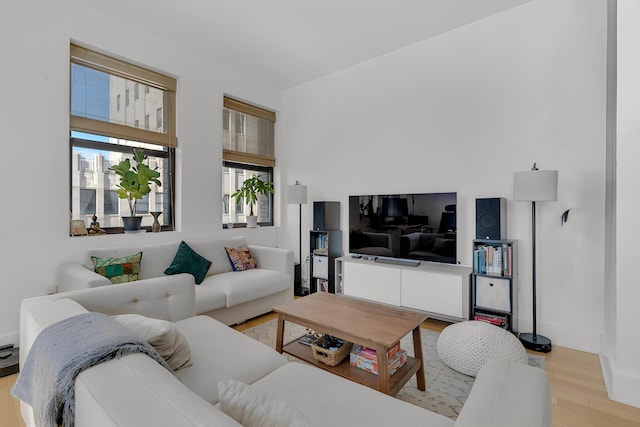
(189,261)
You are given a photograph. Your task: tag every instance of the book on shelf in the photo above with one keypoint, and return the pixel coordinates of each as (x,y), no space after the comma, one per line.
(494,319)
(492,259)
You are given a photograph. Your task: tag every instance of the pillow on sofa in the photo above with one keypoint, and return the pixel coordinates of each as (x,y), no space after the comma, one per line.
(189,261)
(118,270)
(241,258)
(163,335)
(251,407)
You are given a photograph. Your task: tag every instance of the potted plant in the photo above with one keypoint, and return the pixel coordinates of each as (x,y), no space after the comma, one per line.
(249,193)
(135,183)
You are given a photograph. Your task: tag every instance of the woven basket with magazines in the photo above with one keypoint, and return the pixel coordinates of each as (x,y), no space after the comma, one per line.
(330,356)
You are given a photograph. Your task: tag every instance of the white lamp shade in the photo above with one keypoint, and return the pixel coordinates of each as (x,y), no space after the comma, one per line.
(297,194)
(535,186)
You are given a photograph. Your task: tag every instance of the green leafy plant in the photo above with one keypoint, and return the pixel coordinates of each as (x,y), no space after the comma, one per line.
(135,180)
(250,189)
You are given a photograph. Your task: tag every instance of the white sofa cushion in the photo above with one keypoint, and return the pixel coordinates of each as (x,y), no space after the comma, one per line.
(507,393)
(155,258)
(209,298)
(135,391)
(314,391)
(221,353)
(255,408)
(163,336)
(248,285)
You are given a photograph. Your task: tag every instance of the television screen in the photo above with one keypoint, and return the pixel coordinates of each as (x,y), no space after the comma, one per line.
(408,226)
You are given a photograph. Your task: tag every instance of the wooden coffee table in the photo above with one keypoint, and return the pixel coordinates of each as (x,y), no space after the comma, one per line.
(372,325)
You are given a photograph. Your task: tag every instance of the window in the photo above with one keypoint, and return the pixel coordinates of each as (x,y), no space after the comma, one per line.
(87,201)
(101,135)
(111,202)
(136,91)
(248,150)
(159,118)
(142,205)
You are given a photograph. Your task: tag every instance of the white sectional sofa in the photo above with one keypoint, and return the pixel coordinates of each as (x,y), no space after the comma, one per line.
(136,391)
(228,296)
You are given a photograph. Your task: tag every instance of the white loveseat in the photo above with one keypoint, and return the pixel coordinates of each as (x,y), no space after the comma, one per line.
(136,391)
(228,296)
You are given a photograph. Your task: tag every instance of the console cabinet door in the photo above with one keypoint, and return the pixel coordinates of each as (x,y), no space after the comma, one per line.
(434,292)
(376,283)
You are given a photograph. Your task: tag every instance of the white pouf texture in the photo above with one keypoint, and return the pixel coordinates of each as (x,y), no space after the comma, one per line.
(467,346)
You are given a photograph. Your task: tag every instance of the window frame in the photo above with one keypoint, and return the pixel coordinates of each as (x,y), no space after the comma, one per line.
(138,75)
(231,200)
(245,160)
(105,146)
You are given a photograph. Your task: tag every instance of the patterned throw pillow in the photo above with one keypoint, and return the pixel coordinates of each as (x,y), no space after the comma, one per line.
(189,261)
(118,270)
(241,258)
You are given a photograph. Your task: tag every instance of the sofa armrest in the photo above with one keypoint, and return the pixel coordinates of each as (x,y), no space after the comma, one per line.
(507,393)
(72,276)
(273,258)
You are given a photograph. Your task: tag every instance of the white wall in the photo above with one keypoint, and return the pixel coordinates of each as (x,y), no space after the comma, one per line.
(461,112)
(34,111)
(621,350)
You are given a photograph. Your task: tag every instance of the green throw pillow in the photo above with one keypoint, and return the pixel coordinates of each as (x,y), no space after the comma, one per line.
(118,270)
(189,261)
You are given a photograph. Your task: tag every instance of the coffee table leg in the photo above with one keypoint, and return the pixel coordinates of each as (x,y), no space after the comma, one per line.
(417,349)
(280,333)
(383,370)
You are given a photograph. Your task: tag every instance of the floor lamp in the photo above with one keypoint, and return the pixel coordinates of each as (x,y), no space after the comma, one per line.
(297,195)
(535,186)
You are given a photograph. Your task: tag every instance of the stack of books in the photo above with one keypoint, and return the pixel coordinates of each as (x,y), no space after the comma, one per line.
(495,260)
(494,319)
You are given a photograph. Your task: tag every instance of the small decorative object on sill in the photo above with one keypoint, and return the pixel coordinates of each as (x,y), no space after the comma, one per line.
(156,224)
(77,227)
(94,228)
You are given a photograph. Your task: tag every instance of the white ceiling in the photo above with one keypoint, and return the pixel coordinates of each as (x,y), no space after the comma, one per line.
(289,42)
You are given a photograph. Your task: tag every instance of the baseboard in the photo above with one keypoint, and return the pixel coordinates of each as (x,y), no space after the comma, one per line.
(577,339)
(10,339)
(621,388)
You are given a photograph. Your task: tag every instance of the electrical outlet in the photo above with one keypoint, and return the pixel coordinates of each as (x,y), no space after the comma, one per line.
(51,290)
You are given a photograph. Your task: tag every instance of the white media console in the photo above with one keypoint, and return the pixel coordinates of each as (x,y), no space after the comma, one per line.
(441,290)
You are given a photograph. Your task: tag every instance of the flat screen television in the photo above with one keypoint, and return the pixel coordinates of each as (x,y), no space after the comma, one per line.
(406,226)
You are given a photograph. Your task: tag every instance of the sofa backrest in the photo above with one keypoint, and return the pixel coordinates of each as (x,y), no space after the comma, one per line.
(214,251)
(155,258)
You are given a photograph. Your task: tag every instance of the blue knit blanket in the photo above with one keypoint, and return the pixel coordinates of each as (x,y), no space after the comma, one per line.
(61,352)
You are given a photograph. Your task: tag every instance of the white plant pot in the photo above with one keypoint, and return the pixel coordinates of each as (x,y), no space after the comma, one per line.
(252,221)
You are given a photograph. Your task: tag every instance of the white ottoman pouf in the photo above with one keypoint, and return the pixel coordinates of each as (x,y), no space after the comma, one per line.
(466,346)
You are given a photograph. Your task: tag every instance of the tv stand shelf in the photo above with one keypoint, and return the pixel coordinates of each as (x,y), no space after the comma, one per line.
(441,290)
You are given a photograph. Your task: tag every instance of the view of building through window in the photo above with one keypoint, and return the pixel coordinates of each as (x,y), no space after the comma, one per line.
(98,96)
(248,133)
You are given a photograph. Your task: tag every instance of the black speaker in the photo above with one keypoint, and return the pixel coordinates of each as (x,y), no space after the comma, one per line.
(491,218)
(326,216)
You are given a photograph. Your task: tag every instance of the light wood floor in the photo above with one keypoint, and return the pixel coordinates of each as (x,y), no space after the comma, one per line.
(578,393)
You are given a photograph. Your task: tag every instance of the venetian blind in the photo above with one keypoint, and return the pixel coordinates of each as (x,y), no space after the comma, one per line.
(147,93)
(248,134)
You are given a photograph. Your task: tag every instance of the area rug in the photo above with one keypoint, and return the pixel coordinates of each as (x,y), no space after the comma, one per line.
(447,390)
